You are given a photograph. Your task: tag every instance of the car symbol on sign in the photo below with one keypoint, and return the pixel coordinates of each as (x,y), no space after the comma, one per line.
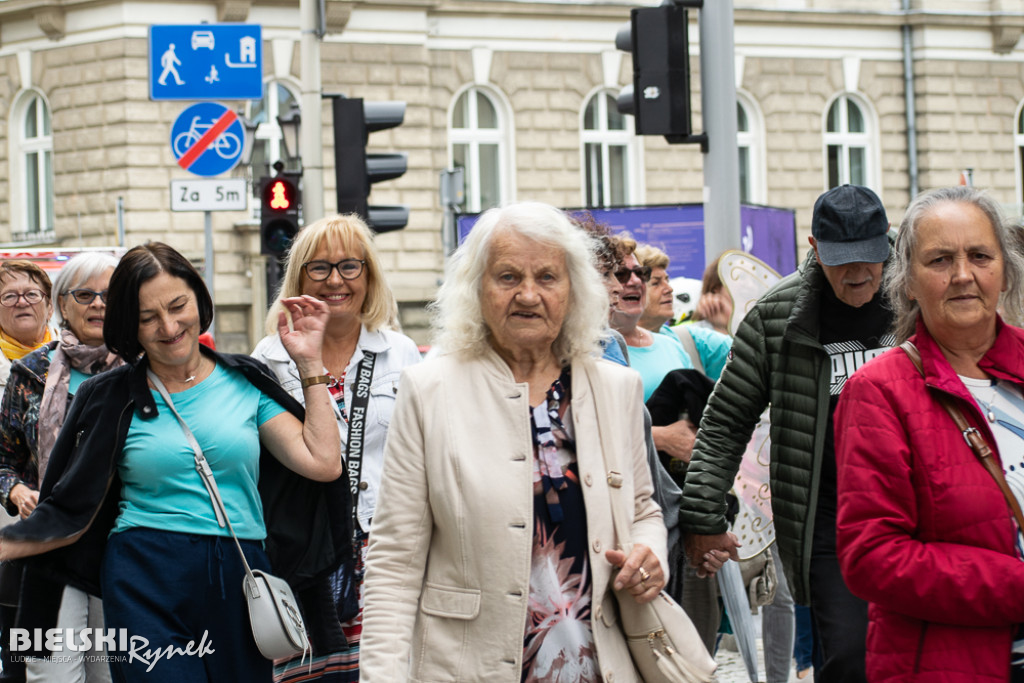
(202,39)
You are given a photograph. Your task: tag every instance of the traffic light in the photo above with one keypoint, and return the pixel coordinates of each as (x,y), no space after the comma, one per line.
(659,98)
(356,171)
(280,204)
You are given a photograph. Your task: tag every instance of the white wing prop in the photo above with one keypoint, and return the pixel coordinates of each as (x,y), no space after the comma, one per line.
(747,278)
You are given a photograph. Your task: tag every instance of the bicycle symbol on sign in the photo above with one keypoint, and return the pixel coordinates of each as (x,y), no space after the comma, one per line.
(227,145)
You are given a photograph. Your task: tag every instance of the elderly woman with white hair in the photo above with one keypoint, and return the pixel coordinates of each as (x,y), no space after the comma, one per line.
(39,392)
(493,554)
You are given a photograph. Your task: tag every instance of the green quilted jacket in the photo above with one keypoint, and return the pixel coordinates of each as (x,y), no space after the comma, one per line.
(777,360)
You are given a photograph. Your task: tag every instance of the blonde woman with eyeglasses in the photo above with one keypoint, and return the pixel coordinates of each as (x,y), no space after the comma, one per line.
(335,261)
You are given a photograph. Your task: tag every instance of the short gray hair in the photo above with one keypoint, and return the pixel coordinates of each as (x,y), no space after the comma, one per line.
(77,271)
(898,278)
(458,315)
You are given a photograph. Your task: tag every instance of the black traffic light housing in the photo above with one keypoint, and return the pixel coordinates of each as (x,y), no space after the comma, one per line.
(280,210)
(356,171)
(659,98)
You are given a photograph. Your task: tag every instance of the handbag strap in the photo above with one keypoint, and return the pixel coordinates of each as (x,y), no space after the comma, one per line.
(206,473)
(614,476)
(971,435)
(356,431)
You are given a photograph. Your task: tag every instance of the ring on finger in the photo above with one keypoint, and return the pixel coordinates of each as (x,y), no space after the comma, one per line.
(644,574)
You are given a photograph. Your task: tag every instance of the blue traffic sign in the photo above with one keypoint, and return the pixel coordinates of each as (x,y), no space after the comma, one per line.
(207,139)
(206,62)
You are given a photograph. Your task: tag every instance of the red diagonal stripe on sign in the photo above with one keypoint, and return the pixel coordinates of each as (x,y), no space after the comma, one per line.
(196,150)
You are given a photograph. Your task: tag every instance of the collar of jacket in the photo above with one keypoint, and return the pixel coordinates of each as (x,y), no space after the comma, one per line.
(1003,360)
(255,372)
(37,363)
(498,369)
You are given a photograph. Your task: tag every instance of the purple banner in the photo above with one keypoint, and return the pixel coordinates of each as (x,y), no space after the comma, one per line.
(768,233)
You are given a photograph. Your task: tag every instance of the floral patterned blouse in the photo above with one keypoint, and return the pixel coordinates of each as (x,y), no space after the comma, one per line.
(558,644)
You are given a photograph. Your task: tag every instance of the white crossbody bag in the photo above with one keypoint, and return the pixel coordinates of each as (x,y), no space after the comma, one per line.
(274,615)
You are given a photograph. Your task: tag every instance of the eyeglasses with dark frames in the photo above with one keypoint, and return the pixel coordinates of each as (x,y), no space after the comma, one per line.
(642,272)
(86,296)
(348,269)
(31,297)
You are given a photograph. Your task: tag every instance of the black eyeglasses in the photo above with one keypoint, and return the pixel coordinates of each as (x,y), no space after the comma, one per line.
(86,296)
(348,269)
(31,297)
(642,272)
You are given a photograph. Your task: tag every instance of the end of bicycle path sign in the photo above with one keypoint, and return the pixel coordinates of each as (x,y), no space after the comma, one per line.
(206,62)
(207,139)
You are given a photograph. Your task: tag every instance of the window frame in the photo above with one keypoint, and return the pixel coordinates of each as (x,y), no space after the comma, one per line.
(269,132)
(21,147)
(847,140)
(753,140)
(501,136)
(606,138)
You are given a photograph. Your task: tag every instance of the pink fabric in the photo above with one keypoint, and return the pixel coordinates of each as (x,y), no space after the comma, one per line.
(70,353)
(924,533)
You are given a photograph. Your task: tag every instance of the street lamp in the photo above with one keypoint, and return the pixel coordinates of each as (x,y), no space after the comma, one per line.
(290,124)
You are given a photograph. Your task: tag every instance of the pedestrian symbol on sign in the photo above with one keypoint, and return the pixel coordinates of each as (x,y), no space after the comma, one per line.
(169,60)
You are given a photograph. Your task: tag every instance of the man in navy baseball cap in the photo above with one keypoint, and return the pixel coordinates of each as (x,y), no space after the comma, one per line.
(848,234)
(799,343)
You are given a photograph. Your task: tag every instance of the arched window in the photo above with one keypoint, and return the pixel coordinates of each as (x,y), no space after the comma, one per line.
(478,144)
(278,99)
(32,190)
(750,141)
(608,153)
(848,143)
(1018,143)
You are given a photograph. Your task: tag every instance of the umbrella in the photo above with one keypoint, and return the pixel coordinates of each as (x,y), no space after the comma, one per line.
(737,605)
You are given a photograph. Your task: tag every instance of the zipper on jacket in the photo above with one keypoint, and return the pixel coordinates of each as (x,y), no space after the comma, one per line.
(920,647)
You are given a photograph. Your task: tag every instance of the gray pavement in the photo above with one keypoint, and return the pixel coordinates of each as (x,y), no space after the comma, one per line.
(732,670)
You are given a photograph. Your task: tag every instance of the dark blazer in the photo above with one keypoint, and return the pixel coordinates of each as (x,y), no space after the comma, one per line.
(309,525)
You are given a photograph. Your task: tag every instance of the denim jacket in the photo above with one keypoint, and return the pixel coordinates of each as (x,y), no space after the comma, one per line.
(394,352)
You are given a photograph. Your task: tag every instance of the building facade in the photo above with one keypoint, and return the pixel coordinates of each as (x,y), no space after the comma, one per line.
(519,94)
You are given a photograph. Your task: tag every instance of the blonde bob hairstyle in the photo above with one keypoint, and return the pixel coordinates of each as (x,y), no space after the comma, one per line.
(347,233)
(458,314)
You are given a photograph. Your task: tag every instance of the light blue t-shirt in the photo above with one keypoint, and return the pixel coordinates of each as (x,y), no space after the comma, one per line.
(161,488)
(667,353)
(712,346)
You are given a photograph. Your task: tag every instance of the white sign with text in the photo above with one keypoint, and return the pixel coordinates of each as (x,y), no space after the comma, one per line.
(215,194)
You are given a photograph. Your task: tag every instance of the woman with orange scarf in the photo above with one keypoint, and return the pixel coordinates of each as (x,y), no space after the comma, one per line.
(25,310)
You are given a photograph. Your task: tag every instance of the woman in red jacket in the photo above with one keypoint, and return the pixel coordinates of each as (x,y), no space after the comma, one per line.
(924,532)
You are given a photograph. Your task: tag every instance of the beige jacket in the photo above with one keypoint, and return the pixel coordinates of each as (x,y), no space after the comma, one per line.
(449,560)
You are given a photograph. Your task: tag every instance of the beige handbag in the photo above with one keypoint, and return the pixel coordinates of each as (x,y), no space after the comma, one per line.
(663,642)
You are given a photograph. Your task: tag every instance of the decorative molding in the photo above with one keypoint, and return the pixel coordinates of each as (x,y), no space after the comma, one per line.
(336,15)
(611,67)
(482,57)
(51,21)
(25,68)
(233,10)
(1007,24)
(851,73)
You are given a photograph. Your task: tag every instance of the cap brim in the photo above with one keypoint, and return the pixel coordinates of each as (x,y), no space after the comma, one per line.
(872,250)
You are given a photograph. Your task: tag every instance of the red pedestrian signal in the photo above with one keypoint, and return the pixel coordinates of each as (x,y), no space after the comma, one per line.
(279,194)
(279,208)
